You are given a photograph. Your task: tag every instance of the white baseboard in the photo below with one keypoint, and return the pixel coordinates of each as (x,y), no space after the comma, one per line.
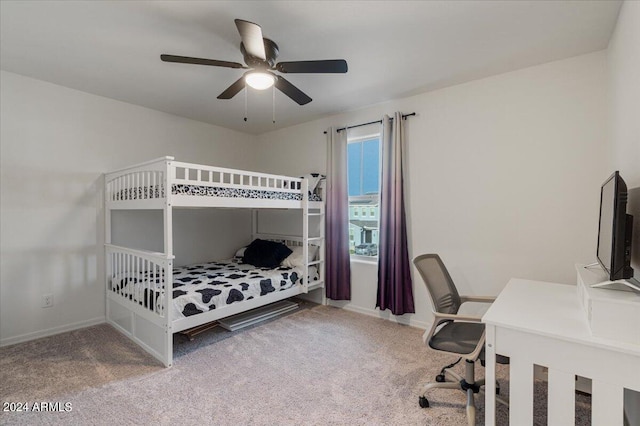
(51,331)
(382,315)
(99,320)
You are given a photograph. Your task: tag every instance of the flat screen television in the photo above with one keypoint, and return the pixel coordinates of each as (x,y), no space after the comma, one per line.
(615,230)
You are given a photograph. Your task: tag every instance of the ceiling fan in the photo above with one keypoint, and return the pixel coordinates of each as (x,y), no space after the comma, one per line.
(260,57)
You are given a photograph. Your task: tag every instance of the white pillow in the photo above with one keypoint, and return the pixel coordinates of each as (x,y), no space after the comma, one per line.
(295,259)
(240,252)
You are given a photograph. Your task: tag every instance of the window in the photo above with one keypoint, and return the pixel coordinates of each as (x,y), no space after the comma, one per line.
(363,170)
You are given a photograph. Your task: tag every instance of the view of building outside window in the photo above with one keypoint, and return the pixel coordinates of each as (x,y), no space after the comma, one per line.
(363,163)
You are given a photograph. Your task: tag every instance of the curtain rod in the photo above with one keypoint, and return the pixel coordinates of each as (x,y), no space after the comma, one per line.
(404,117)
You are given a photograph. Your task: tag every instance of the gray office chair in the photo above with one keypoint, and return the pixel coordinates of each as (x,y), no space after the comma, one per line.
(459,335)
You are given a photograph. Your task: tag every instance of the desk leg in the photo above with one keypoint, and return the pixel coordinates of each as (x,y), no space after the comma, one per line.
(490,376)
(520,389)
(561,397)
(607,403)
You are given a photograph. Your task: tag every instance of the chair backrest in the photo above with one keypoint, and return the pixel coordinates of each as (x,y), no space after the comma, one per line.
(444,295)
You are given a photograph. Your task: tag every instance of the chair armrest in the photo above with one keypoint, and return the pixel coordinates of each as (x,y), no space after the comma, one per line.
(439,317)
(478,299)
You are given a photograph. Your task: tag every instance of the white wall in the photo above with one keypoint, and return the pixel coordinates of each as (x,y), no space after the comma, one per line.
(624,102)
(200,235)
(624,84)
(623,62)
(55,144)
(503,175)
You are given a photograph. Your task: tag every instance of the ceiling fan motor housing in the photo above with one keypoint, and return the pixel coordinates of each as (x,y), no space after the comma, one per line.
(271,52)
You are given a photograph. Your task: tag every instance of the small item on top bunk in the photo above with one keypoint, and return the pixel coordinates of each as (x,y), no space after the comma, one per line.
(265,254)
(315,188)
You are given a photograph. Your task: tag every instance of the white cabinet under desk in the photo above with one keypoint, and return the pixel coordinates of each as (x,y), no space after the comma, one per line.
(540,323)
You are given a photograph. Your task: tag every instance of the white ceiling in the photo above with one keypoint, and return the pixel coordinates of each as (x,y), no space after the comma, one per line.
(393,48)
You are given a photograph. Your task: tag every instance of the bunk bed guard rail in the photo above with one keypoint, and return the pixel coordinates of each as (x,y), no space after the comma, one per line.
(154,180)
(141,182)
(196,174)
(140,279)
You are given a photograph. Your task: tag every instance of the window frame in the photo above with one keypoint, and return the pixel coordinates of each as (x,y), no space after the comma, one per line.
(361,138)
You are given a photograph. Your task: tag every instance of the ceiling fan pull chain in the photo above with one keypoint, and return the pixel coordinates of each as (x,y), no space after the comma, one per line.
(246,90)
(273,105)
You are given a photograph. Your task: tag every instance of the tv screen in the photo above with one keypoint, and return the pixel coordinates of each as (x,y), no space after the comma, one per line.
(614,232)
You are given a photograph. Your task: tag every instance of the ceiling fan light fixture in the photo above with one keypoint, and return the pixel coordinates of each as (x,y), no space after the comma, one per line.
(259,80)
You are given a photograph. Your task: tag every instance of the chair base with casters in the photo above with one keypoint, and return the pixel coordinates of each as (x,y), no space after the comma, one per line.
(453,333)
(448,379)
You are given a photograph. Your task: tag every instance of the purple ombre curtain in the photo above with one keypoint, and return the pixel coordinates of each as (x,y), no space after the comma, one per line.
(394,271)
(338,263)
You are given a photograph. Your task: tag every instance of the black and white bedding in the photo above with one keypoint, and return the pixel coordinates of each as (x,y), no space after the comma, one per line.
(206,286)
(210,191)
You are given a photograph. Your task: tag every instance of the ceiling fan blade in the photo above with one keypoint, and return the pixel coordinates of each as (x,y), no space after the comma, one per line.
(292,91)
(251,35)
(199,61)
(335,66)
(233,90)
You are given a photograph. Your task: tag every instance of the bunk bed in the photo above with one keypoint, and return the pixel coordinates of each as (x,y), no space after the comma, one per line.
(148,300)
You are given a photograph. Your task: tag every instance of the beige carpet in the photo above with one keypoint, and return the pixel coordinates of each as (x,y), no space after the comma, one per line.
(317,366)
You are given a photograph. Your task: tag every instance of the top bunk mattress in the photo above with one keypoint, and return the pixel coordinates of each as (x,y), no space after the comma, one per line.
(157,191)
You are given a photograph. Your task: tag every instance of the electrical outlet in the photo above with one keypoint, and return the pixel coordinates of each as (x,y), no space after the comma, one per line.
(47,300)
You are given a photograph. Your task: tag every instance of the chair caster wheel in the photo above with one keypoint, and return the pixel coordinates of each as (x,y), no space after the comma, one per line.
(424,402)
(440,378)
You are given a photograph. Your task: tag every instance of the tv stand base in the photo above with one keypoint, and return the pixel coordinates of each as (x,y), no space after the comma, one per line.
(622,285)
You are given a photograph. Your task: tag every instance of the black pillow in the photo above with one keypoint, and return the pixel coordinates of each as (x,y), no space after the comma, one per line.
(265,254)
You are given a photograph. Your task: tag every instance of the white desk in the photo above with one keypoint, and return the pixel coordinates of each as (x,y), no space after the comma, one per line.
(542,323)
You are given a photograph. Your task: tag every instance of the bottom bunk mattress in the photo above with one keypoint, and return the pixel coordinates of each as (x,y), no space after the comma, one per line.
(203,287)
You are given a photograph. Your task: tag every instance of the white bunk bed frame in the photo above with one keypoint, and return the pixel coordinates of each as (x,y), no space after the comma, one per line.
(152,327)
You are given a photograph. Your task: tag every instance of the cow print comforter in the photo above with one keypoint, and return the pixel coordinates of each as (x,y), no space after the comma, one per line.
(203,287)
(200,288)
